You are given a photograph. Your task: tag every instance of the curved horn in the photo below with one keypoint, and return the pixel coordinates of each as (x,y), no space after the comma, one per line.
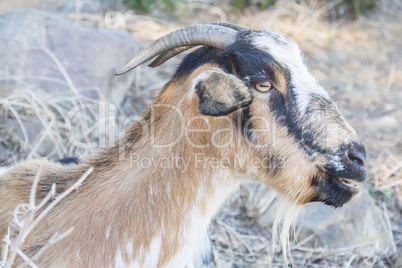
(211,35)
(168,55)
(171,53)
(231,25)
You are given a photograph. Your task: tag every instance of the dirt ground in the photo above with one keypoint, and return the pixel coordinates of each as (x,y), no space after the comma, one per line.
(358,61)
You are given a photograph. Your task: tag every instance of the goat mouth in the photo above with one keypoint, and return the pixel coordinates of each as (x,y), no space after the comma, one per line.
(352,185)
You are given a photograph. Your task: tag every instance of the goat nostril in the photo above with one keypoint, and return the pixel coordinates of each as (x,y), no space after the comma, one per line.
(357,157)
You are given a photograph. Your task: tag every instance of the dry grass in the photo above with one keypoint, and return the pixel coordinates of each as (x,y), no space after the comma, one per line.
(27,103)
(387,173)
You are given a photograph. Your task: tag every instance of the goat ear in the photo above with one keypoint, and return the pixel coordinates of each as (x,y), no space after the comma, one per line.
(220,94)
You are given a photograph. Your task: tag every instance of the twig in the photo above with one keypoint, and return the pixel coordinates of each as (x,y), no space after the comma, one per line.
(391,184)
(304,241)
(233,231)
(58,199)
(350,261)
(27,222)
(391,236)
(54,239)
(21,254)
(23,129)
(4,251)
(390,78)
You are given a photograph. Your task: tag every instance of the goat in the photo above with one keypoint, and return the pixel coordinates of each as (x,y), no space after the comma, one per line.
(248,108)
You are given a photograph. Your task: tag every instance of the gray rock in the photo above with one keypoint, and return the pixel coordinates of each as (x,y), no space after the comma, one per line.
(47,61)
(64,6)
(358,227)
(33,43)
(54,64)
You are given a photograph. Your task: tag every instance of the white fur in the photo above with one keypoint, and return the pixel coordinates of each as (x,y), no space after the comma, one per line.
(192,236)
(119,261)
(335,161)
(288,53)
(145,259)
(196,224)
(130,248)
(202,252)
(286,213)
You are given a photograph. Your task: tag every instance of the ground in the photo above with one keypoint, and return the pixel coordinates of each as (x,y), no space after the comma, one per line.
(358,61)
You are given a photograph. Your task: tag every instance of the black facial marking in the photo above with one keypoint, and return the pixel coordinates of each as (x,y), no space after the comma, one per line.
(348,172)
(330,191)
(252,65)
(342,166)
(305,134)
(285,112)
(242,58)
(195,59)
(358,152)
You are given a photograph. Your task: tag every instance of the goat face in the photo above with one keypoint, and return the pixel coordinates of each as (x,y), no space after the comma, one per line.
(259,80)
(287,118)
(323,151)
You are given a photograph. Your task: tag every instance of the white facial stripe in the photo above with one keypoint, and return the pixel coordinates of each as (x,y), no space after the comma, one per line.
(288,53)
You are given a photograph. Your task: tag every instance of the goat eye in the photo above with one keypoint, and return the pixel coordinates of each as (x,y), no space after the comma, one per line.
(263,87)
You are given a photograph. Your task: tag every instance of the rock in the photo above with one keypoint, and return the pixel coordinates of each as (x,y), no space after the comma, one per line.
(47,61)
(36,47)
(64,6)
(359,227)
(48,65)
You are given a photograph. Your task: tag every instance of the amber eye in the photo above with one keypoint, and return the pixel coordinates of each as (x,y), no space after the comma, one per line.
(263,87)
